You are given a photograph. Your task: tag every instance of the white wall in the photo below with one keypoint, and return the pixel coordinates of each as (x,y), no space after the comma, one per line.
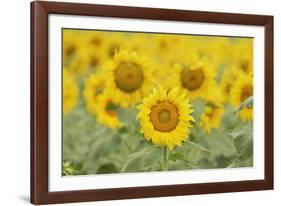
(14,102)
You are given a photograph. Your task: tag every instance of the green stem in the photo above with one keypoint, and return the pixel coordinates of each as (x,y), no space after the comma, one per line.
(165,158)
(129,138)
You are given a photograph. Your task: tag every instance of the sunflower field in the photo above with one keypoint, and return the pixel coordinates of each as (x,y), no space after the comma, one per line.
(143,102)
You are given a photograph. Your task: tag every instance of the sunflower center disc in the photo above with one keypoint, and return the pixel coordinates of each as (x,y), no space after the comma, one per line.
(164,116)
(70,50)
(96,41)
(246,92)
(112,49)
(210,112)
(128,77)
(110,108)
(94,61)
(245,66)
(192,79)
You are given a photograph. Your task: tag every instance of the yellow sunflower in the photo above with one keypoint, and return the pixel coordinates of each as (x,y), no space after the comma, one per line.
(137,42)
(95,49)
(70,92)
(71,44)
(244,62)
(95,39)
(105,112)
(213,111)
(229,76)
(88,52)
(165,117)
(78,66)
(218,50)
(128,77)
(115,41)
(196,78)
(241,90)
(165,46)
(93,87)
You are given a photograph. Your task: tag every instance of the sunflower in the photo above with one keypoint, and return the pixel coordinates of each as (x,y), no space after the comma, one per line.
(93,87)
(138,42)
(165,46)
(70,92)
(213,111)
(78,66)
(115,41)
(87,61)
(94,49)
(71,44)
(95,39)
(244,62)
(106,112)
(228,78)
(165,117)
(218,50)
(196,78)
(88,51)
(241,90)
(128,77)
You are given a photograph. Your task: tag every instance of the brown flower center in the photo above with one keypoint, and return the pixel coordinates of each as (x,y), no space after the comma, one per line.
(94,61)
(163,44)
(69,50)
(110,108)
(245,66)
(96,41)
(112,49)
(247,91)
(192,79)
(210,112)
(128,77)
(228,88)
(98,90)
(164,116)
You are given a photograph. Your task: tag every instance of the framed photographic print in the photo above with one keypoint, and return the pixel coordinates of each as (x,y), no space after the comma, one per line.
(131,102)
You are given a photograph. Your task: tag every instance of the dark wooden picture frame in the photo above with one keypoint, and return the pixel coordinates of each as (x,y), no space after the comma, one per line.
(39,102)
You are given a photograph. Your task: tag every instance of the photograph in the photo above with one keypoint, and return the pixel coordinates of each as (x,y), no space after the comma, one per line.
(131,102)
(155,102)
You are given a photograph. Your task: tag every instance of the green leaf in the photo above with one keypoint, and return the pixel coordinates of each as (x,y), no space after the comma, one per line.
(123,130)
(112,107)
(229,121)
(235,163)
(247,103)
(198,108)
(176,156)
(200,147)
(213,151)
(191,165)
(243,139)
(241,163)
(69,169)
(142,160)
(100,148)
(127,116)
(107,169)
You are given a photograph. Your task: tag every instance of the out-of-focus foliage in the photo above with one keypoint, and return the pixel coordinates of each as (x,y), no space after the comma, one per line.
(69,169)
(108,75)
